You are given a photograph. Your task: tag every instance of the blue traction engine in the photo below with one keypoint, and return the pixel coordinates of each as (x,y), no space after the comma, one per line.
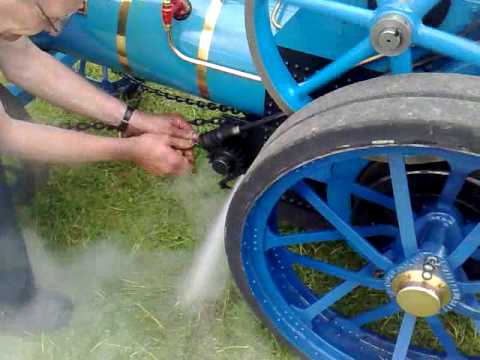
(356,125)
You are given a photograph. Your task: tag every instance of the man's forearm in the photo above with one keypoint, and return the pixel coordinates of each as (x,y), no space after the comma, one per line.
(44,143)
(42,75)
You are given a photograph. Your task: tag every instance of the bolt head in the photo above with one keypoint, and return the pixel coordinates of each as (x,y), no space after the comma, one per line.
(390,39)
(428,268)
(391,35)
(427,275)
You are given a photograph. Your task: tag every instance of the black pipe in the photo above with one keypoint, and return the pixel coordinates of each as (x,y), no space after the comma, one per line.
(217,137)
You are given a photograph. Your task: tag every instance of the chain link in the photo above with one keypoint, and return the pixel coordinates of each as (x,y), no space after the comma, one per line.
(202,104)
(145,89)
(198,122)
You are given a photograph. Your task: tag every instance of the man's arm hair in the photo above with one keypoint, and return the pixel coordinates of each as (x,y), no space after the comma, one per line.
(38,142)
(36,71)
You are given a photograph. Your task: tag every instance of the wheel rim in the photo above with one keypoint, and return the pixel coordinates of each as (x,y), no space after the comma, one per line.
(310,321)
(417,40)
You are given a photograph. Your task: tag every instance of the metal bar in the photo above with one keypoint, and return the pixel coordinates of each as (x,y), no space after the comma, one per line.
(328,300)
(401,194)
(337,68)
(372,196)
(422,7)
(402,64)
(470,287)
(376,314)
(274,240)
(444,338)
(349,13)
(453,186)
(351,276)
(210,65)
(274,15)
(357,242)
(466,248)
(404,337)
(467,311)
(451,45)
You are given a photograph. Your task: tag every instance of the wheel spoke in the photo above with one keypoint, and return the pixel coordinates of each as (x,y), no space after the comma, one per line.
(472,287)
(466,248)
(373,196)
(447,44)
(357,277)
(345,12)
(337,68)
(468,311)
(379,313)
(274,240)
(422,7)
(401,64)
(453,186)
(404,337)
(403,205)
(444,337)
(357,242)
(472,301)
(332,297)
(327,300)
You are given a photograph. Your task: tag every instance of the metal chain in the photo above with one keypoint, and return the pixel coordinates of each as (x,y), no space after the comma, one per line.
(142,89)
(198,122)
(83,126)
(202,104)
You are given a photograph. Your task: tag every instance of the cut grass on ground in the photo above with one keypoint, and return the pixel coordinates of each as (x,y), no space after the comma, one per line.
(119,243)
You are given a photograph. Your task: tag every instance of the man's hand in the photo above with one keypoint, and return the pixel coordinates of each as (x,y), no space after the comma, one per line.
(160,154)
(163,124)
(172,125)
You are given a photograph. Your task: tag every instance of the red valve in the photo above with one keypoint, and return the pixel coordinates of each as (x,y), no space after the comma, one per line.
(175,9)
(181,9)
(167,14)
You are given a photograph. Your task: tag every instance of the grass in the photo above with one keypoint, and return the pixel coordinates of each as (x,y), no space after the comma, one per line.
(119,243)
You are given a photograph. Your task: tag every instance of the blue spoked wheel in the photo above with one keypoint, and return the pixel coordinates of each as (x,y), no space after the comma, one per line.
(415,38)
(392,177)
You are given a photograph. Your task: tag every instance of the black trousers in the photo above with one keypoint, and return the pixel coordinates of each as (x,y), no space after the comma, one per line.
(16,276)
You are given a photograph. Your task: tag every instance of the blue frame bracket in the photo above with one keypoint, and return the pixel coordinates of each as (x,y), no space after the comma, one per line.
(292,96)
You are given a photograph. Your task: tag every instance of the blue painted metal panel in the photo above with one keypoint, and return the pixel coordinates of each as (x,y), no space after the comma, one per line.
(321,35)
(93,37)
(230,46)
(148,51)
(328,29)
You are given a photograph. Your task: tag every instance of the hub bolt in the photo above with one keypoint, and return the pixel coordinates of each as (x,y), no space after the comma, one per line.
(389,39)
(391,35)
(419,296)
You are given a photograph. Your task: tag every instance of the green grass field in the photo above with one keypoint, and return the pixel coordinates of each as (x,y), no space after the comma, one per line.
(120,242)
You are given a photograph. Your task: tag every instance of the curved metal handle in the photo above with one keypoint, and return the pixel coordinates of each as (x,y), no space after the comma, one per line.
(274,15)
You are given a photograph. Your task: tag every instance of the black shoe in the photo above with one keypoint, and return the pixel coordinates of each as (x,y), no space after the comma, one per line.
(47,311)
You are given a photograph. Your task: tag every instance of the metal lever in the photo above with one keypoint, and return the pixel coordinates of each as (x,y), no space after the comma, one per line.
(274,16)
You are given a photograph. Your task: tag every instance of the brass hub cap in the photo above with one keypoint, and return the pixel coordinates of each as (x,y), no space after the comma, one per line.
(420,297)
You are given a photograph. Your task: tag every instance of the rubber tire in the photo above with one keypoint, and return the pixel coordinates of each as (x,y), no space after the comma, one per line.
(32,175)
(414,109)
